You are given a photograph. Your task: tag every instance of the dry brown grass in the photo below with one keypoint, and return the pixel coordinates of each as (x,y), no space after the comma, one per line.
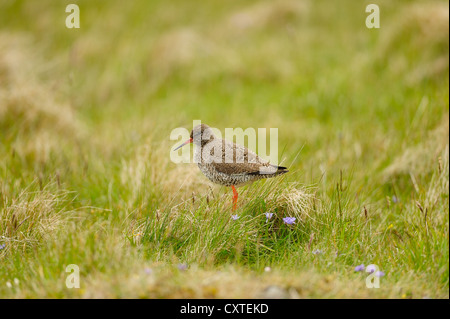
(419,26)
(32,216)
(43,123)
(420,159)
(159,281)
(268,14)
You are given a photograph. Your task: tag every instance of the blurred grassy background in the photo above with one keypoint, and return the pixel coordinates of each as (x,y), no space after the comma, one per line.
(86,177)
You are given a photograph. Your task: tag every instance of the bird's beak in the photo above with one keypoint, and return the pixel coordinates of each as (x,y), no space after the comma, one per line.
(187,142)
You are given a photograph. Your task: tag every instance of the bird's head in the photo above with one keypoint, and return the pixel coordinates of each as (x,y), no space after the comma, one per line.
(200,135)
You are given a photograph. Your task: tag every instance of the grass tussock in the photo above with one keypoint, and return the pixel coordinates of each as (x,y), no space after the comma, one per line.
(421,159)
(42,122)
(31,216)
(418,26)
(268,15)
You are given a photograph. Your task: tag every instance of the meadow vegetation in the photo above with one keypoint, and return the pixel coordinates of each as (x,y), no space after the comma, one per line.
(86,177)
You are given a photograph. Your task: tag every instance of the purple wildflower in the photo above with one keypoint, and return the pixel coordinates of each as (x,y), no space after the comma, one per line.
(360,267)
(370,268)
(379,274)
(234,217)
(2,246)
(148,271)
(395,199)
(268,215)
(289,220)
(182,267)
(317,252)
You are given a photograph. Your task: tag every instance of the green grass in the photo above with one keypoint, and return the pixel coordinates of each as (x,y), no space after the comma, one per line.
(85,170)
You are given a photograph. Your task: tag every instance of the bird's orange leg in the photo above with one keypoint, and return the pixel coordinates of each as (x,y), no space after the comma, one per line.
(235,197)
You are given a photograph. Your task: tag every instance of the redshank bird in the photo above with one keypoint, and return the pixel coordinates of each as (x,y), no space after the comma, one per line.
(227,163)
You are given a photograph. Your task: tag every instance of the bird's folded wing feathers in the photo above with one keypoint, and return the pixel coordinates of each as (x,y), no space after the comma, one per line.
(237,160)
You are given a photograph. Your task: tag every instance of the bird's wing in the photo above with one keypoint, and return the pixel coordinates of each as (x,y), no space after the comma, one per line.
(237,160)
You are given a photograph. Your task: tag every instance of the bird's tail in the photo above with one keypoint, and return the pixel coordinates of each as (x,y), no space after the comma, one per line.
(271,171)
(281,170)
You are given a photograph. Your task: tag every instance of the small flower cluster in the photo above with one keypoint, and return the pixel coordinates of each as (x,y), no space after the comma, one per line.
(286,220)
(369,269)
(268,216)
(289,220)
